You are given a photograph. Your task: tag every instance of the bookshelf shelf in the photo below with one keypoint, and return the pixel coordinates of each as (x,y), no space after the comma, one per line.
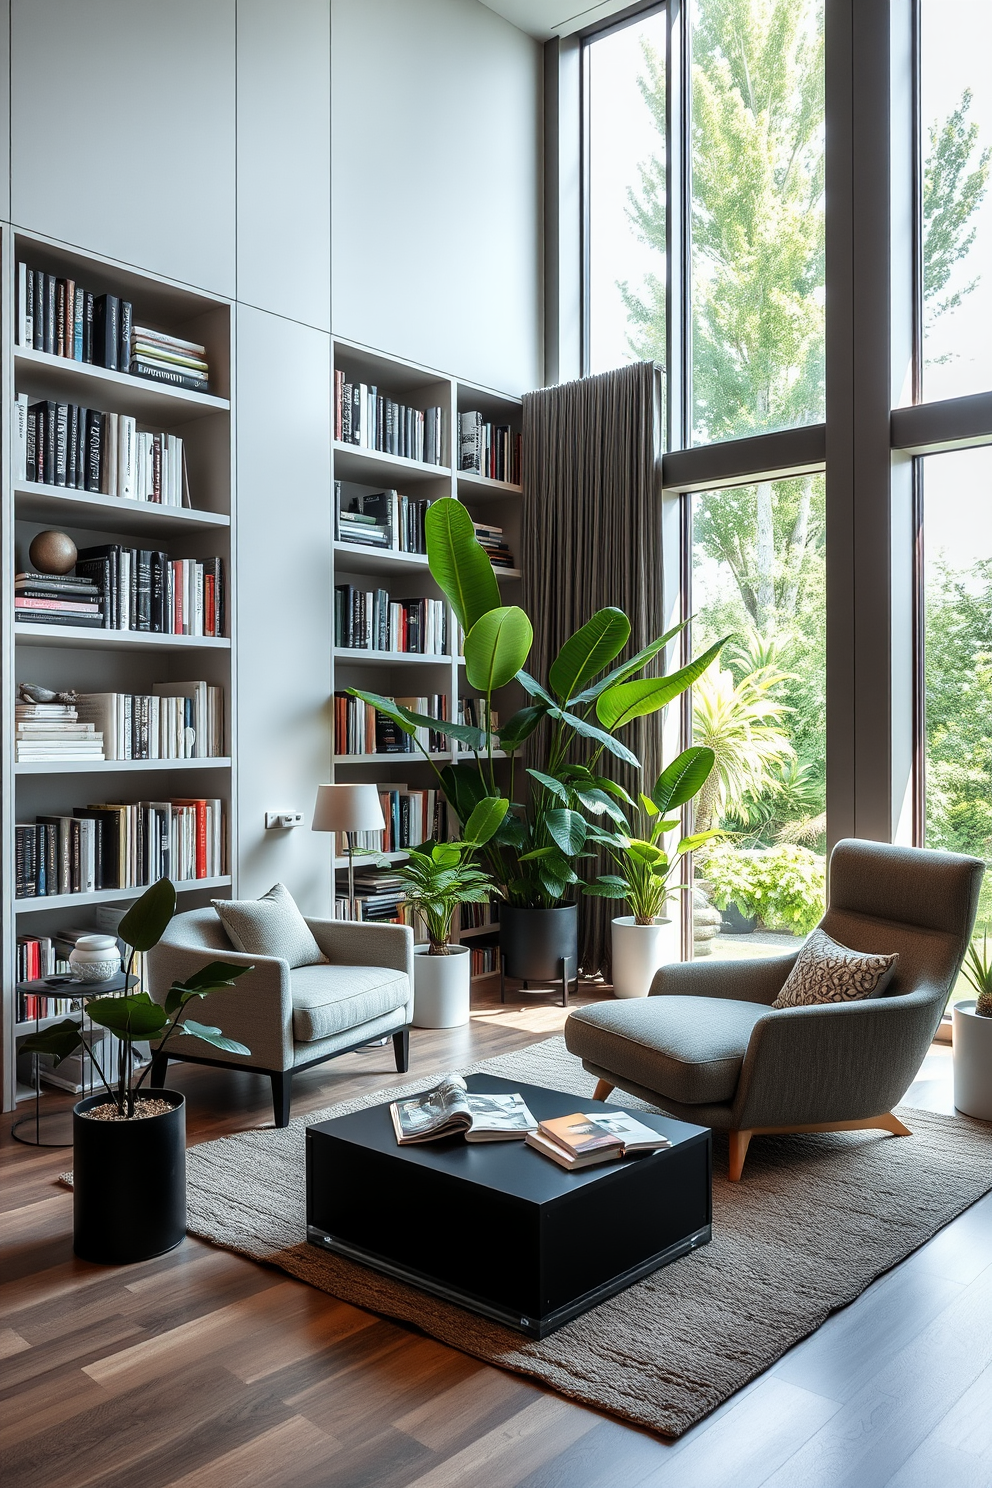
(96,660)
(391,759)
(480,486)
(352,559)
(117,767)
(110,896)
(505,575)
(471,932)
(370,467)
(115,640)
(115,392)
(387,658)
(39,503)
(368,860)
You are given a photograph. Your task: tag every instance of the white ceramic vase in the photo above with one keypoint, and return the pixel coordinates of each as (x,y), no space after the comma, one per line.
(95,958)
(442,988)
(972,1061)
(638,951)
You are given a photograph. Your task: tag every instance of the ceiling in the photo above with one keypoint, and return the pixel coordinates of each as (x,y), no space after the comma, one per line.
(546,18)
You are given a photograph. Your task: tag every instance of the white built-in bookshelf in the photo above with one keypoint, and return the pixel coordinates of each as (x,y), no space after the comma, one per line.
(405,575)
(126,661)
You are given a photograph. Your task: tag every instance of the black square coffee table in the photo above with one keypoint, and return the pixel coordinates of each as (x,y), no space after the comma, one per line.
(497,1228)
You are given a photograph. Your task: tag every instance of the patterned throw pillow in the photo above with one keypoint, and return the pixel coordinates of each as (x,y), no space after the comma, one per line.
(270,926)
(827,971)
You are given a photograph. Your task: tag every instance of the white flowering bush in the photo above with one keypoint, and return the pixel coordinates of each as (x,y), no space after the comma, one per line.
(784,886)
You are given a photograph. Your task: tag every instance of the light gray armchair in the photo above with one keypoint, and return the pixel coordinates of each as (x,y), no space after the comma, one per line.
(707,1047)
(291,1019)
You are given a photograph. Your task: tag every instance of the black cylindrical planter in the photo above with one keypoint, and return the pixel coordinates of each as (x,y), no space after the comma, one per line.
(533,942)
(128,1183)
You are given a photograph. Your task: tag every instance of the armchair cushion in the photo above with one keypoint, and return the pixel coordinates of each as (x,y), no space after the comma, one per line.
(328,1000)
(688,1048)
(270,926)
(826,971)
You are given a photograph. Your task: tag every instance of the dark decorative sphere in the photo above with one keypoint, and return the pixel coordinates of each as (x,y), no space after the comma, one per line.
(53,552)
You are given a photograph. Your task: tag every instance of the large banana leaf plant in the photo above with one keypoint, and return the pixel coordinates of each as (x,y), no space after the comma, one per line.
(589,699)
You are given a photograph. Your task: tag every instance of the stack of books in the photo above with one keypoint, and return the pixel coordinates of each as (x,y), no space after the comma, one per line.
(58,599)
(165,358)
(115,846)
(63,444)
(491,538)
(148,591)
(492,450)
(384,519)
(380,896)
(368,620)
(586,1139)
(54,731)
(176,720)
(361,729)
(367,418)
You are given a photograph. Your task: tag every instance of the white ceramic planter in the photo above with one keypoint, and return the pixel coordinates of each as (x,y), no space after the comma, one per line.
(95,958)
(638,951)
(442,989)
(972,1061)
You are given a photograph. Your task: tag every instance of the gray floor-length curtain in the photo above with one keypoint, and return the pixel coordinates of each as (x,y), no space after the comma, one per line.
(591,536)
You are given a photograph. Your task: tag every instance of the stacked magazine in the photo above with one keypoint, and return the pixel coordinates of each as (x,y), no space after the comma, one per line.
(588,1138)
(450,1110)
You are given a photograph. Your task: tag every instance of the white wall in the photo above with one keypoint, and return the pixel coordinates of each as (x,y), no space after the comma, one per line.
(436,175)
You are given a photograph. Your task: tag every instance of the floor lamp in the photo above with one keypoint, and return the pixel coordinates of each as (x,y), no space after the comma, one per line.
(348,809)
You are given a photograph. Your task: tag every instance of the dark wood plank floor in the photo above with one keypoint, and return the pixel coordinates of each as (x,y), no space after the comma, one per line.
(203,1370)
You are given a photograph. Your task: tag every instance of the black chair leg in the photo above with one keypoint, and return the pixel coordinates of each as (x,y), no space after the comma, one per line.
(401,1050)
(282,1094)
(160,1065)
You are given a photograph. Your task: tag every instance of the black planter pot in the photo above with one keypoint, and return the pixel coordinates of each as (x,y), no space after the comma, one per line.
(534,942)
(736,923)
(128,1183)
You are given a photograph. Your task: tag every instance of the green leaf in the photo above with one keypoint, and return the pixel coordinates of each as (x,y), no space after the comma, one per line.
(61,1040)
(485,819)
(590,731)
(550,783)
(496,647)
(647,805)
(683,778)
(520,726)
(592,647)
(567,828)
(598,802)
(536,853)
(210,978)
(628,668)
(135,1016)
(213,1036)
(629,700)
(464,788)
(459,563)
(690,844)
(533,688)
(384,705)
(147,920)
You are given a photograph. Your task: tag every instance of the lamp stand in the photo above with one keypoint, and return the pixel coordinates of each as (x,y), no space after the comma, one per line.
(351,876)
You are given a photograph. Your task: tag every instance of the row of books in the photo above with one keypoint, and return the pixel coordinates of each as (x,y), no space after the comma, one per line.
(83,449)
(38,957)
(412,817)
(491,538)
(118,846)
(368,620)
(477,916)
(58,316)
(485,960)
(361,729)
(475,711)
(365,417)
(118,588)
(493,450)
(382,519)
(176,720)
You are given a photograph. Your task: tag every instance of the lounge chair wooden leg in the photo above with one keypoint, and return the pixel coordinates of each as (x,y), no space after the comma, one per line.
(892,1124)
(738,1151)
(603,1090)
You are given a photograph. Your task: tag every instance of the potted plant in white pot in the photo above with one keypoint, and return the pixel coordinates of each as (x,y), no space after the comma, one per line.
(129,1149)
(439,878)
(646,939)
(972,1033)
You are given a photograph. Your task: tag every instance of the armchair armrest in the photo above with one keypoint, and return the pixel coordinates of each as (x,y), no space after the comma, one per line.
(257,1011)
(351,943)
(838,1061)
(760,980)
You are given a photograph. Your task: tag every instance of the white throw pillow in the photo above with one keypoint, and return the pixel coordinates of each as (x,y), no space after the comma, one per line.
(827,971)
(270,926)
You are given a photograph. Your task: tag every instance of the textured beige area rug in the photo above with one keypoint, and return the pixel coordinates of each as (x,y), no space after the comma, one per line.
(813,1222)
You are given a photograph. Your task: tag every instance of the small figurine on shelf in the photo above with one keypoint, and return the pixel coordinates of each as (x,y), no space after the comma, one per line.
(53,552)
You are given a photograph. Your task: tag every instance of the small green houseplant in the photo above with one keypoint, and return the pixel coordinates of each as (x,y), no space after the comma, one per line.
(972,1035)
(129,1150)
(438,878)
(977,970)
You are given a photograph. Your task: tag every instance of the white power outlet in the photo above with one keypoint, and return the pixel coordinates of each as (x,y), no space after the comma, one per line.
(283,819)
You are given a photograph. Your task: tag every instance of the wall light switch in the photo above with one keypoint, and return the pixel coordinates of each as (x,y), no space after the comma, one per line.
(283,819)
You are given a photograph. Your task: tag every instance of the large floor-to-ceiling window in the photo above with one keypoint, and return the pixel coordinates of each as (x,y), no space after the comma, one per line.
(796,291)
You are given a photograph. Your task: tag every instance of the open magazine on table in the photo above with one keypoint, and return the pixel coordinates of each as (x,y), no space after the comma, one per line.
(450,1109)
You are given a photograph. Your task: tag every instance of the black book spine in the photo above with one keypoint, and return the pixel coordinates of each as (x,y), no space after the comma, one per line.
(72,449)
(61,441)
(144,593)
(356,413)
(175,376)
(29,302)
(106,330)
(60,312)
(49,345)
(94,449)
(51,417)
(124,334)
(157,609)
(82,448)
(38,334)
(41,861)
(89,313)
(32,443)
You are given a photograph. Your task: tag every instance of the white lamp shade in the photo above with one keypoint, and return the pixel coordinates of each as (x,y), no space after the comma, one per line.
(347,808)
